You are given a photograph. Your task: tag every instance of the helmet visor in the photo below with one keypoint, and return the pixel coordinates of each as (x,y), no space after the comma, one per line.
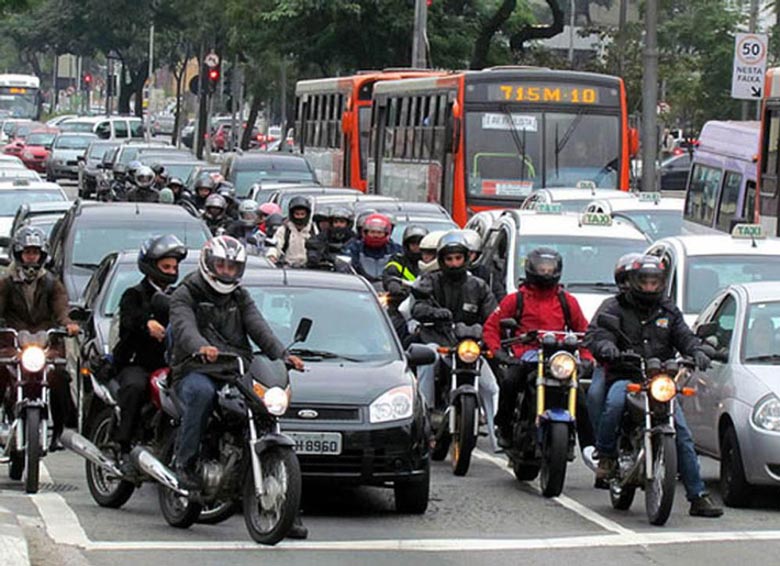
(226,270)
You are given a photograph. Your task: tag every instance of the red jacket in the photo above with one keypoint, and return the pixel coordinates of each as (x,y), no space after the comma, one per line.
(541,311)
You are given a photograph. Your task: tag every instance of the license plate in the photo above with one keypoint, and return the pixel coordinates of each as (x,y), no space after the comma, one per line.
(323,443)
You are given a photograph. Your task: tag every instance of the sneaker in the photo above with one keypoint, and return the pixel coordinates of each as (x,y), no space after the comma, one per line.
(298,530)
(703,506)
(606,468)
(588,458)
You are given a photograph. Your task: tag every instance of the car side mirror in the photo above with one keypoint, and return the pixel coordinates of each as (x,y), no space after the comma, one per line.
(79,313)
(707,330)
(420,355)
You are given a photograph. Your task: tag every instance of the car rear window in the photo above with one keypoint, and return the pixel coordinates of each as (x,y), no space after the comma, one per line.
(11,200)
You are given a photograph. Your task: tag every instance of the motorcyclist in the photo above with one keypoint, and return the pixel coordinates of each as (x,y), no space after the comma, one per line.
(481,270)
(429,245)
(321,219)
(228,192)
(322,249)
(160,177)
(540,303)
(204,186)
(140,349)
(264,211)
(144,190)
(211,313)
(177,187)
(291,238)
(403,267)
(33,299)
(214,213)
(447,296)
(370,254)
(653,327)
(167,196)
(246,224)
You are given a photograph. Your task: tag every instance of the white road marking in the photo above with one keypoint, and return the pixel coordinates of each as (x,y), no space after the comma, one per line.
(563,500)
(62,523)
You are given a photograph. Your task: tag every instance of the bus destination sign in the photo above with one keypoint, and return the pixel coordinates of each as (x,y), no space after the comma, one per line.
(550,93)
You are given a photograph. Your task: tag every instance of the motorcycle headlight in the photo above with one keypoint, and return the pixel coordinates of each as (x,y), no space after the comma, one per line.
(468,351)
(276,399)
(33,359)
(392,405)
(766,415)
(562,365)
(662,388)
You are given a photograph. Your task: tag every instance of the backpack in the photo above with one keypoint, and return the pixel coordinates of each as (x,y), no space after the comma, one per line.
(564,307)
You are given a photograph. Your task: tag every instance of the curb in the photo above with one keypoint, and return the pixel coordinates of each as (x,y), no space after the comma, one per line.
(13,545)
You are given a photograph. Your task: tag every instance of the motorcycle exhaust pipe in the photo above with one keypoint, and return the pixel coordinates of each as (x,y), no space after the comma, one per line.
(151,466)
(72,440)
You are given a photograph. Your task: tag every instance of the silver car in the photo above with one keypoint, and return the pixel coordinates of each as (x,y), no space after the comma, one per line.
(65,152)
(735,414)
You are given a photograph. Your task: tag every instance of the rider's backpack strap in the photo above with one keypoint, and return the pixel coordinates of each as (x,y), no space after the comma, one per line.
(565,308)
(519,307)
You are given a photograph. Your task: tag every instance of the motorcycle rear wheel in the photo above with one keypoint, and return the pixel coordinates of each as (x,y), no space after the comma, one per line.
(106,491)
(659,493)
(464,439)
(554,459)
(32,451)
(217,512)
(269,517)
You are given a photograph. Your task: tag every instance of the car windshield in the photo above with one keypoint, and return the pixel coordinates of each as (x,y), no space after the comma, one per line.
(128,155)
(11,200)
(180,170)
(40,139)
(511,154)
(365,338)
(291,171)
(432,224)
(655,223)
(128,275)
(98,150)
(761,342)
(706,275)
(73,142)
(92,242)
(587,262)
(75,126)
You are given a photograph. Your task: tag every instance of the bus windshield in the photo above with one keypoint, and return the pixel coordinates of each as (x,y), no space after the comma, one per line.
(18,102)
(510,154)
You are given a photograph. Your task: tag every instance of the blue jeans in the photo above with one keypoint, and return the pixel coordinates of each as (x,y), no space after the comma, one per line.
(196,393)
(596,393)
(687,461)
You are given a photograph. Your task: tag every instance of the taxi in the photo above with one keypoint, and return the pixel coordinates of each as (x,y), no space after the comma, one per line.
(656,216)
(573,199)
(701,265)
(734,416)
(589,243)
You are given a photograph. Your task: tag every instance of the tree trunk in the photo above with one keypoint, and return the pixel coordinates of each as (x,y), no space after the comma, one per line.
(177,113)
(254,110)
(528,33)
(489,29)
(125,92)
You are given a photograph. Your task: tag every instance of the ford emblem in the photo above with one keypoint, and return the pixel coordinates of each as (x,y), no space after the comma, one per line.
(308,414)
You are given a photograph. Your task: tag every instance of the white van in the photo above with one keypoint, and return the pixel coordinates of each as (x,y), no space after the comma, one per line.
(106,127)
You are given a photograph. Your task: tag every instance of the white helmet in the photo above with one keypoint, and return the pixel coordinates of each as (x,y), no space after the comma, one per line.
(222,263)
(430,244)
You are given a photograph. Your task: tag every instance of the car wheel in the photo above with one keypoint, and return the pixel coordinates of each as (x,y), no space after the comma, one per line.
(734,488)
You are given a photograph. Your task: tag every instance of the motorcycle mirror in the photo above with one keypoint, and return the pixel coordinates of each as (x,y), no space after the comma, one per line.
(302,332)
(79,313)
(420,355)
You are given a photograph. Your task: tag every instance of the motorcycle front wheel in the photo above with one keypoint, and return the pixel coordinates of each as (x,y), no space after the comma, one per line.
(32,451)
(178,511)
(268,517)
(464,439)
(107,491)
(659,493)
(554,459)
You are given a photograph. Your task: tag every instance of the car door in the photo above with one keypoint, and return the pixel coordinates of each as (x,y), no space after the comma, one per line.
(702,411)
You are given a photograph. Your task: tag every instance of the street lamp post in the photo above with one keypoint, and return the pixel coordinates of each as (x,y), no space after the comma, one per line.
(650,97)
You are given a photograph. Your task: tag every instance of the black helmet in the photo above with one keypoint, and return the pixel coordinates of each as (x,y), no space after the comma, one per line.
(29,237)
(646,270)
(204,181)
(175,182)
(299,202)
(622,267)
(341,213)
(413,234)
(321,215)
(342,234)
(453,242)
(156,248)
(543,267)
(158,168)
(272,224)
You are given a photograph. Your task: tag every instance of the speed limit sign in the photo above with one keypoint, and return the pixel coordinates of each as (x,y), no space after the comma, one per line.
(747,80)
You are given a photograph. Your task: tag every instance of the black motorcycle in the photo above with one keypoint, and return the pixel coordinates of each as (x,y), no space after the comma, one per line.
(34,356)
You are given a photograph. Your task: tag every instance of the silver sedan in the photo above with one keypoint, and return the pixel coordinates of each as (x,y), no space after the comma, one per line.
(735,414)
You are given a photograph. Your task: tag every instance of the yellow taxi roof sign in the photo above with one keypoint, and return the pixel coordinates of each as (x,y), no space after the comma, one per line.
(649,196)
(548,208)
(596,219)
(748,231)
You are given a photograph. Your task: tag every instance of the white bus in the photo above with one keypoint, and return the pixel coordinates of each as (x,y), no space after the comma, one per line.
(20,96)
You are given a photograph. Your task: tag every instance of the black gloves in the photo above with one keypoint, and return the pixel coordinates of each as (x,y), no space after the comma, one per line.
(702,360)
(442,315)
(608,351)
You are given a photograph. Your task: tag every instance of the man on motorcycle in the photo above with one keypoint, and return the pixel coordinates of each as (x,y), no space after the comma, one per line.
(141,346)
(211,313)
(291,238)
(246,224)
(653,327)
(448,296)
(371,253)
(540,303)
(204,186)
(144,190)
(215,213)
(322,249)
(33,299)
(403,267)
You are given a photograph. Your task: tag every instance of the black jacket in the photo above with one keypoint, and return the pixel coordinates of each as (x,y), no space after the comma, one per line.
(239,230)
(137,194)
(202,317)
(215,224)
(653,334)
(136,346)
(469,300)
(322,249)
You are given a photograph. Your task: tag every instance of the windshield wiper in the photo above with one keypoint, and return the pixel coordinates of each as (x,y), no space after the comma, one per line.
(592,284)
(763,358)
(86,265)
(519,144)
(307,353)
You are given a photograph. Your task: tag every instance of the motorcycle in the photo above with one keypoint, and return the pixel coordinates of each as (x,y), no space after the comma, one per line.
(36,355)
(244,455)
(647,452)
(456,427)
(544,420)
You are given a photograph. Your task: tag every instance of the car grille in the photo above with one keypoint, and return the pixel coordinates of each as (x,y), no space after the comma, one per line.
(323,412)
(72,163)
(353,462)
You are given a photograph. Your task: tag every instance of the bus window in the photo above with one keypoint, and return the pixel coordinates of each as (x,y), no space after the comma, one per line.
(770,161)
(749,206)
(702,194)
(728,200)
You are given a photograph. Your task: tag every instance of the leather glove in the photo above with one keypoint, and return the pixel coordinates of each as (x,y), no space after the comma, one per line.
(502,357)
(609,351)
(702,360)
(442,315)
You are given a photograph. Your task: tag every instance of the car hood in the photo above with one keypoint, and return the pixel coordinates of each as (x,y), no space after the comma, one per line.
(6,222)
(346,383)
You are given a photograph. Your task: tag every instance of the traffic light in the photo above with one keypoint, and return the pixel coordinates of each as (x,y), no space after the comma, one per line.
(87,81)
(213,79)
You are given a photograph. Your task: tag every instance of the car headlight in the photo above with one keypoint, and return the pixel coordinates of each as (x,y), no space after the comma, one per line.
(766,415)
(276,399)
(468,351)
(663,388)
(33,359)
(392,405)
(562,365)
